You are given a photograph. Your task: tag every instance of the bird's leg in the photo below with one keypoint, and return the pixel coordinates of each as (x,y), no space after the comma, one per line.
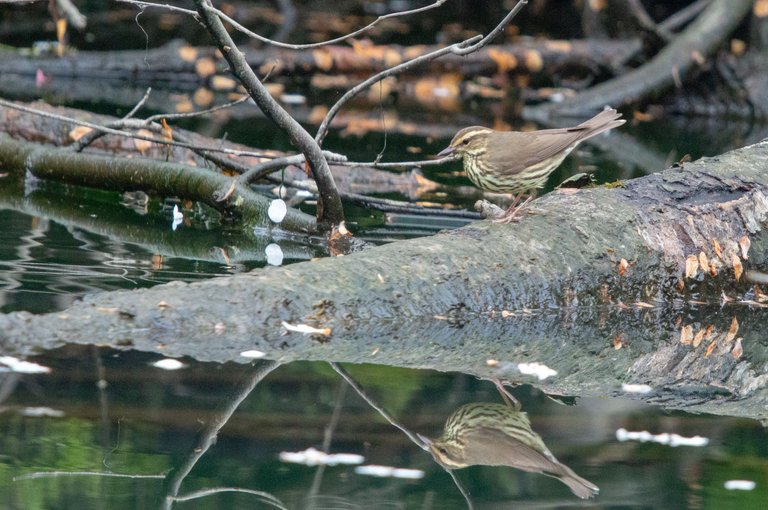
(509,399)
(511,214)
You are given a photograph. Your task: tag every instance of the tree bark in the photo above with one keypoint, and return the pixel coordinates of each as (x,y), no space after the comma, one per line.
(600,285)
(152,176)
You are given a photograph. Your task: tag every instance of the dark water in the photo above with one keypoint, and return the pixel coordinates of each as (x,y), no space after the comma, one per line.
(107,429)
(100,413)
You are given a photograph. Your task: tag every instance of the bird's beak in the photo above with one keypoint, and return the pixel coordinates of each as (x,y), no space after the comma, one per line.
(425,441)
(445,152)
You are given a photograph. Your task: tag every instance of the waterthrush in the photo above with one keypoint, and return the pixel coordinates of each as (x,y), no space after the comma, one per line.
(498,435)
(520,162)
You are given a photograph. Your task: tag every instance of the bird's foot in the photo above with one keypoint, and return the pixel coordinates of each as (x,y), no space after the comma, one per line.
(489,210)
(514,213)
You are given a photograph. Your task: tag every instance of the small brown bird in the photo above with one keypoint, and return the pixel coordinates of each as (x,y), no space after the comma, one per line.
(519,162)
(498,435)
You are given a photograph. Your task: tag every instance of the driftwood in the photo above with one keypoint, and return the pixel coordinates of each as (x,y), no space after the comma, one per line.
(687,52)
(185,66)
(635,284)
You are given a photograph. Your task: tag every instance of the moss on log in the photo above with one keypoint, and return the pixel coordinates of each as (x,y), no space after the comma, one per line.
(605,286)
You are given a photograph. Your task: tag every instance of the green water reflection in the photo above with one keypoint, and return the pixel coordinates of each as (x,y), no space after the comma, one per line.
(101,412)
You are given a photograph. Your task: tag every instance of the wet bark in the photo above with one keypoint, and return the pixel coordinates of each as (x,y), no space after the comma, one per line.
(153,176)
(599,285)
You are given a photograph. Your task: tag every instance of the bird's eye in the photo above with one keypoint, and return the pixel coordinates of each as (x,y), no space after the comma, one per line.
(465,141)
(442,450)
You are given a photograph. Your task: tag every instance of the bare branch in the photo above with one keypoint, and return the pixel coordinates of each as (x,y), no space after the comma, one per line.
(265,497)
(173,116)
(128,134)
(463,48)
(167,7)
(496,31)
(329,210)
(342,38)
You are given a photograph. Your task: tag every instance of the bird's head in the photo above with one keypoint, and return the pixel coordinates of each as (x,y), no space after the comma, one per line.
(472,140)
(447,452)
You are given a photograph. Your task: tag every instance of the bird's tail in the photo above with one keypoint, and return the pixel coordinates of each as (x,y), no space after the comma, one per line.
(603,121)
(581,487)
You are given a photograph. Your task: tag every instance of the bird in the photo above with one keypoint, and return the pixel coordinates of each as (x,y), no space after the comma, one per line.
(492,434)
(520,162)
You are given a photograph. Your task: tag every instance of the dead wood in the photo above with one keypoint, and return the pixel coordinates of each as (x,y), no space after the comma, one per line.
(187,67)
(689,50)
(644,267)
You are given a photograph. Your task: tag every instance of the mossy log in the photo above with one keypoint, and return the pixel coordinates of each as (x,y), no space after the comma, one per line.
(629,284)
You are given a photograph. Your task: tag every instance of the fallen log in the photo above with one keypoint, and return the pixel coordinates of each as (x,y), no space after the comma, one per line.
(185,66)
(643,283)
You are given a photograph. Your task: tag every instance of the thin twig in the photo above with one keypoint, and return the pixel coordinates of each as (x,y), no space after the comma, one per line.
(56,474)
(217,421)
(381,204)
(496,31)
(329,211)
(322,130)
(462,48)
(88,138)
(268,167)
(400,164)
(415,438)
(127,134)
(174,116)
(383,412)
(266,497)
(645,21)
(138,105)
(167,7)
(342,38)
(684,15)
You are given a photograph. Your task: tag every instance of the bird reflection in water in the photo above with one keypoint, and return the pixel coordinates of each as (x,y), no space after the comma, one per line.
(500,435)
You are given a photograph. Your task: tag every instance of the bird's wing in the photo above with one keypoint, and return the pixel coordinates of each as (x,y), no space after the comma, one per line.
(492,447)
(526,149)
